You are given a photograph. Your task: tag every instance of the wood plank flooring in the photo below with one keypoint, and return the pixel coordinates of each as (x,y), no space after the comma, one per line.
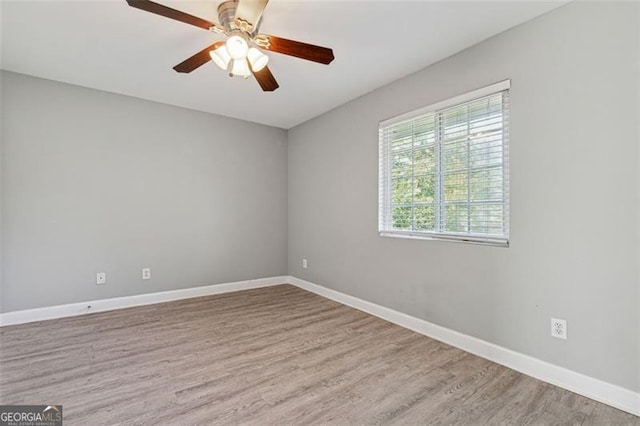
(276,355)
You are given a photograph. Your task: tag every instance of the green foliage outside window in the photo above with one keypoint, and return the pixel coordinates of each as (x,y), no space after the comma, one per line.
(447,170)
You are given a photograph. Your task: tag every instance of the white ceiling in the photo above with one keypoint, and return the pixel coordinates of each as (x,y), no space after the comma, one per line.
(110,46)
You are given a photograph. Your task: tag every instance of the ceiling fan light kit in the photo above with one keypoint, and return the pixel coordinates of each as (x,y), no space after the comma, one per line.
(241,54)
(239,68)
(257,59)
(220,56)
(237,46)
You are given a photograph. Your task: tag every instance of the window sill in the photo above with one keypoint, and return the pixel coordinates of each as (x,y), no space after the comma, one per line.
(452,238)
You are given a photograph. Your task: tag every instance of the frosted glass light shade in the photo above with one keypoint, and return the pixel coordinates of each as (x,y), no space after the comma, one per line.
(240,68)
(221,57)
(237,47)
(257,59)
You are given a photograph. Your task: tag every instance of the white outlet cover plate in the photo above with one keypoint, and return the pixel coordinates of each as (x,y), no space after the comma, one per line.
(101,278)
(559,328)
(146,274)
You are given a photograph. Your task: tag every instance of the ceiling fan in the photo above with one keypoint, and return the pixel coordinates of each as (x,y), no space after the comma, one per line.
(241,55)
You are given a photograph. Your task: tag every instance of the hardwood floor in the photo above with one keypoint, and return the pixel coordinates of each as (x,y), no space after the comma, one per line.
(276,355)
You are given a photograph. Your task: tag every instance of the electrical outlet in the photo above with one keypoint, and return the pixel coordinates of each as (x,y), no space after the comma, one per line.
(101,278)
(146,273)
(304,263)
(559,328)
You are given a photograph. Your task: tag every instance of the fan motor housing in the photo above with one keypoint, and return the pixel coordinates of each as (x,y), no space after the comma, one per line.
(227,18)
(227,14)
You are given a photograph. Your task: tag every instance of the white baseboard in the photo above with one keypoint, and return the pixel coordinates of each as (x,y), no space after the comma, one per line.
(81,308)
(598,390)
(607,393)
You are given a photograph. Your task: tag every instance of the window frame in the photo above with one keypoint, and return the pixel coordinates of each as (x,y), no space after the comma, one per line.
(385,170)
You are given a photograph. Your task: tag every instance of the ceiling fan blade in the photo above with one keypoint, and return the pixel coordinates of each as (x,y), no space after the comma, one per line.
(197,60)
(168,12)
(248,13)
(298,49)
(266,80)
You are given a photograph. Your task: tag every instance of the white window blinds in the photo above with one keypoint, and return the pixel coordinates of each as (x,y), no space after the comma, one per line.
(444,170)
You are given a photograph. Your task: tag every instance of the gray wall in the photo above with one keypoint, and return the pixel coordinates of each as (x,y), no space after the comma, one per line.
(574,197)
(93,181)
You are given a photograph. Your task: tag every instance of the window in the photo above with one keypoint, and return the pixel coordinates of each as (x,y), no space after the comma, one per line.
(444,170)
